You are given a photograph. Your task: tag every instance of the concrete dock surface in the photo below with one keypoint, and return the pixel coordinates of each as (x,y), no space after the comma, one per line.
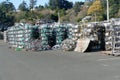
(57,65)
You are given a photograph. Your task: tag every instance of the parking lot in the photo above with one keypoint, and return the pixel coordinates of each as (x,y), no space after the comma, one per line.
(57,65)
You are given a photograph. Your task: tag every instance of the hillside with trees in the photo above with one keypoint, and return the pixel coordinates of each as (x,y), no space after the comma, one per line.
(68,11)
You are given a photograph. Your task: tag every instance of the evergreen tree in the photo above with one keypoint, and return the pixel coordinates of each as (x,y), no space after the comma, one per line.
(77,6)
(60,4)
(6,13)
(40,7)
(23,6)
(7,6)
(32,3)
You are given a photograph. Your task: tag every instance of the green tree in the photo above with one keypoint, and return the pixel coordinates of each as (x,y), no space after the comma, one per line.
(23,6)
(40,7)
(2,16)
(7,6)
(77,6)
(66,4)
(32,3)
(47,5)
(53,4)
(60,4)
(54,17)
(9,20)
(114,6)
(6,13)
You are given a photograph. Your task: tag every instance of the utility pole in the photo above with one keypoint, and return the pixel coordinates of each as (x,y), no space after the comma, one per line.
(58,17)
(107,10)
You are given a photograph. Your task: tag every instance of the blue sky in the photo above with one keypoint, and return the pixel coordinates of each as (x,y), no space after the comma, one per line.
(39,2)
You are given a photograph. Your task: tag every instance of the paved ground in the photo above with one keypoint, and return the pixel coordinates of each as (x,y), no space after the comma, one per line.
(57,65)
